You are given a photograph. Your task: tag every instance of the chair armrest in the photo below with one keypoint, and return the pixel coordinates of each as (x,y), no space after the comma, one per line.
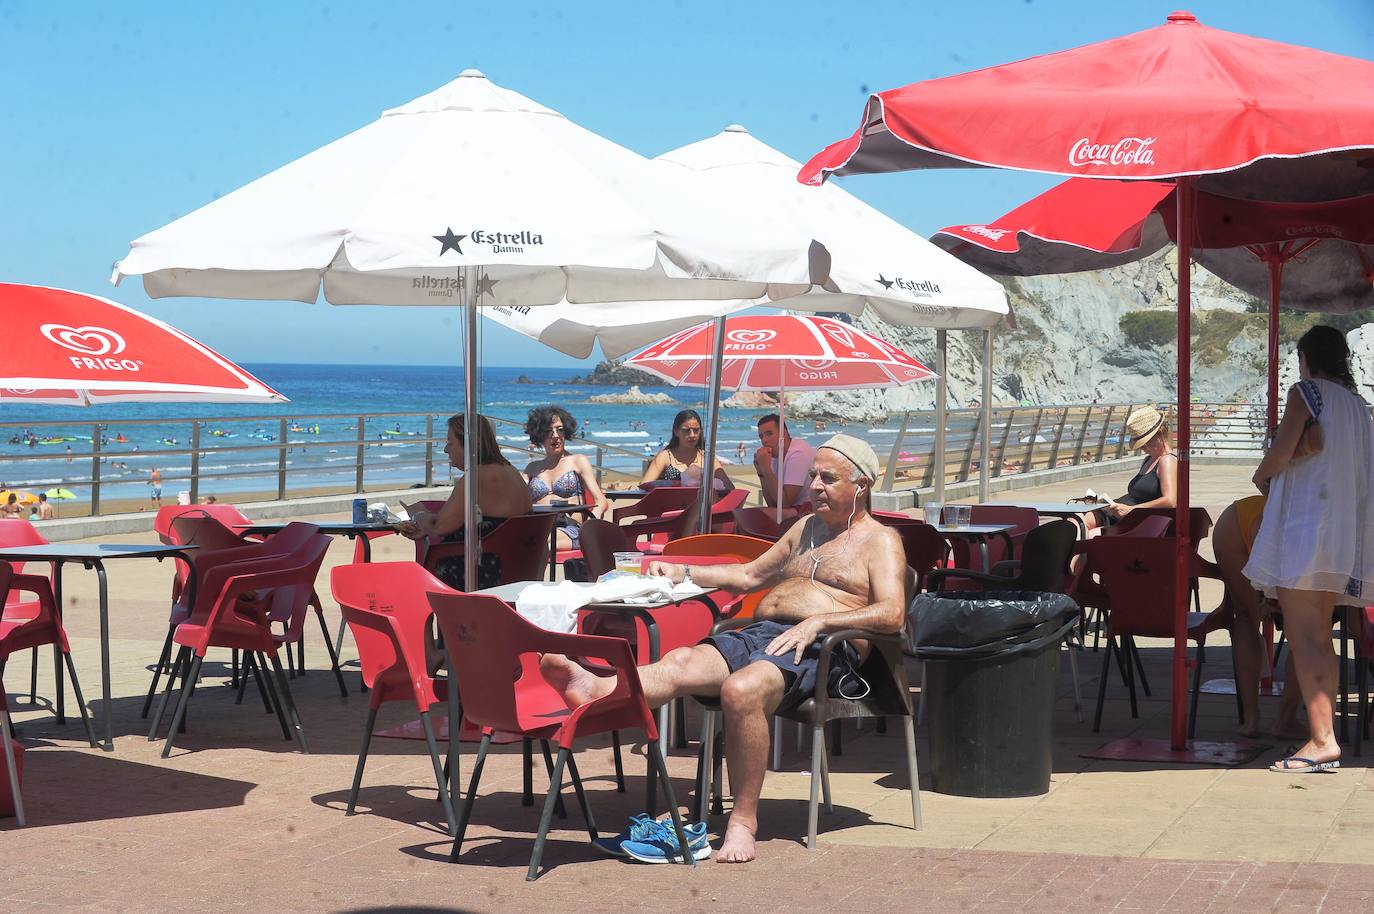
(890,640)
(730,625)
(1007,568)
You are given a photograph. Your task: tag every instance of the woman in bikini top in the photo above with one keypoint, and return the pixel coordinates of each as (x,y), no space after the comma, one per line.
(559,474)
(683,460)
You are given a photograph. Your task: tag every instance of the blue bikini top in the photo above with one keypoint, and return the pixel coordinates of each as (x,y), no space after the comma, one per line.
(566,486)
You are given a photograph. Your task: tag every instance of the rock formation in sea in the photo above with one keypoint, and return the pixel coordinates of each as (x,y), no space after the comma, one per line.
(614,374)
(633,396)
(750,399)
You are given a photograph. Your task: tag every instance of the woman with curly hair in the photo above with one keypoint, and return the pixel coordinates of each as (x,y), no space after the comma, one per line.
(1314,550)
(560,475)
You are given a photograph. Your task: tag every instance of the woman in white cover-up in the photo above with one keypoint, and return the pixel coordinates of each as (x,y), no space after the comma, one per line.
(1315,550)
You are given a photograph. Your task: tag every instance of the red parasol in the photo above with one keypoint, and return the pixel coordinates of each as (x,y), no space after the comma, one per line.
(74,349)
(1213,110)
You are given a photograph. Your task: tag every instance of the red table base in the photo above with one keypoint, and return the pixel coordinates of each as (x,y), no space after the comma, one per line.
(470,734)
(1199,752)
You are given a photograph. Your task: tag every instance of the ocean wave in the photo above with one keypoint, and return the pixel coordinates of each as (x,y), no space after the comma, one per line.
(594,436)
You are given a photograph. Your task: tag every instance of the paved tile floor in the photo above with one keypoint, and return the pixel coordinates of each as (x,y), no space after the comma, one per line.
(238,820)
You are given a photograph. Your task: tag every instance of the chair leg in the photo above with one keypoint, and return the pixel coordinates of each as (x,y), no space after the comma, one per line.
(777,744)
(33,677)
(825,781)
(453,759)
(1102,685)
(836,740)
(274,699)
(188,684)
(813,807)
(362,759)
(1361,675)
(909,734)
(1197,690)
(233,667)
(1139,667)
(545,818)
(62,692)
(178,665)
(1125,651)
(10,766)
(1073,672)
(581,797)
(290,702)
(81,700)
(466,814)
(439,778)
(619,763)
(680,723)
(162,659)
(333,657)
(656,759)
(548,766)
(527,767)
(241,682)
(705,762)
(718,771)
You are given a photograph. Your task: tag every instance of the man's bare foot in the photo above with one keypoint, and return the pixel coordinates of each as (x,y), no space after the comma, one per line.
(1310,750)
(738,845)
(575,683)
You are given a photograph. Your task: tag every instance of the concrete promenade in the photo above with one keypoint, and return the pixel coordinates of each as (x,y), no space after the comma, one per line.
(238,819)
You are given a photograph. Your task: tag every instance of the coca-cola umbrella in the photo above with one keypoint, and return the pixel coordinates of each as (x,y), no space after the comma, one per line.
(73,349)
(1309,256)
(781,352)
(1207,109)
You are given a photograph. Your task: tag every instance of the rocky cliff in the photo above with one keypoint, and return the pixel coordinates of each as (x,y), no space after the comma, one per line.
(1068,345)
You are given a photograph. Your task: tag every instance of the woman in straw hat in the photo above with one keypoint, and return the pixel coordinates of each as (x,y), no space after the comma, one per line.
(1314,550)
(1156,482)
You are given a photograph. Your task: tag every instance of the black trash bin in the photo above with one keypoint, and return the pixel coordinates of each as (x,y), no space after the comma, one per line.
(991,663)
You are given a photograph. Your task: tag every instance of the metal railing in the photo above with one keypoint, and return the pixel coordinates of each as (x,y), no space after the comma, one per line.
(249,455)
(1024,439)
(274,457)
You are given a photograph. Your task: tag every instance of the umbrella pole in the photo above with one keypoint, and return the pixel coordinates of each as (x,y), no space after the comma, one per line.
(941,414)
(472,546)
(1275,264)
(1178,716)
(713,412)
(985,420)
(782,431)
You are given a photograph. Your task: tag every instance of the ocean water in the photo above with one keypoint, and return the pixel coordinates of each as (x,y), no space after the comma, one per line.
(243,447)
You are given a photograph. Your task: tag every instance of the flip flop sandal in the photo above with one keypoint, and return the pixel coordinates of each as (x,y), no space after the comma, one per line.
(1308,766)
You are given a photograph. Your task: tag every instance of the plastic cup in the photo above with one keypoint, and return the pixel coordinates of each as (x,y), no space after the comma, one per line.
(962,515)
(932,511)
(629,561)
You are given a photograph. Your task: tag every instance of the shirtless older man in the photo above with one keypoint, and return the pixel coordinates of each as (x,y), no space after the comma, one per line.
(840,569)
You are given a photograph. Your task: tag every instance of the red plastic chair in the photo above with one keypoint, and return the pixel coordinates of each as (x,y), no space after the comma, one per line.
(230,612)
(742,549)
(723,510)
(521,543)
(658,502)
(487,640)
(19,532)
(1138,574)
(925,549)
(386,607)
(651,534)
(1023,521)
(32,629)
(228,515)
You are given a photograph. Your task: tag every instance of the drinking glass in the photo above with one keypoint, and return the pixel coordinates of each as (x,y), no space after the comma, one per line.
(932,511)
(629,561)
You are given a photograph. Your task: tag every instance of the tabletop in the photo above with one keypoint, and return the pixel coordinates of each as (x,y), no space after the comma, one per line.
(510,592)
(623,494)
(89,551)
(973,529)
(1054,507)
(562,509)
(331,527)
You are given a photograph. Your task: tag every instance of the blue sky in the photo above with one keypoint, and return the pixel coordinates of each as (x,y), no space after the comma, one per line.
(117,118)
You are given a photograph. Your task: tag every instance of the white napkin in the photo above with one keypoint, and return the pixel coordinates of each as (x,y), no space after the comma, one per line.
(553,606)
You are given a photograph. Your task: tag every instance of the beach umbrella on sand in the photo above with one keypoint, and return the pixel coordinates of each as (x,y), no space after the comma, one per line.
(1206,109)
(876,266)
(474,195)
(781,352)
(21,497)
(1311,256)
(74,349)
(60,494)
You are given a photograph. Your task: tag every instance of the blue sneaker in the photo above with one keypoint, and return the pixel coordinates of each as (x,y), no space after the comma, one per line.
(660,844)
(644,829)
